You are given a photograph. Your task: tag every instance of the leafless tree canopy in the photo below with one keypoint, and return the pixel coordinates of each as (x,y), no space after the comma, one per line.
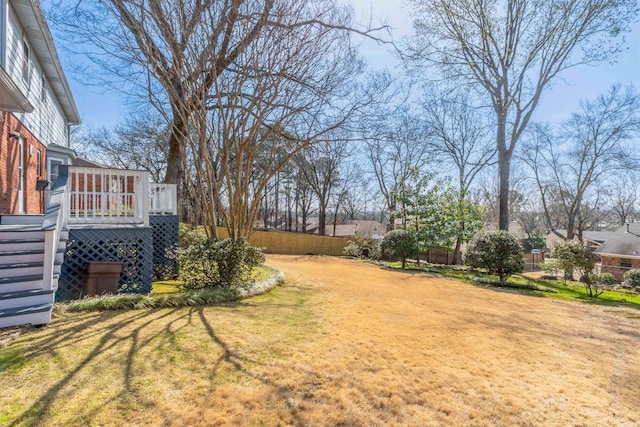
(397,146)
(570,165)
(512,50)
(234,79)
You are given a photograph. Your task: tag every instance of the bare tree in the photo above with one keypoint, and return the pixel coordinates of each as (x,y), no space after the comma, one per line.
(234,80)
(139,143)
(486,191)
(622,197)
(513,50)
(458,136)
(593,143)
(396,147)
(322,167)
(174,55)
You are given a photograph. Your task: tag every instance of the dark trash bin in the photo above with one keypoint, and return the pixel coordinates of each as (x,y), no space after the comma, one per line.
(103,277)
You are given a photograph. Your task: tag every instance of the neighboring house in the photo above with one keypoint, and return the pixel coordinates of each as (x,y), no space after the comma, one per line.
(592,239)
(351,228)
(630,228)
(58,212)
(620,255)
(368,228)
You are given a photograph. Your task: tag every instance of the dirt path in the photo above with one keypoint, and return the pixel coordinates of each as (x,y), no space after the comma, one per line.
(408,349)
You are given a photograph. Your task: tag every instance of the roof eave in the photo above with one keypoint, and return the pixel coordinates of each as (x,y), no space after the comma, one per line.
(32,17)
(11,98)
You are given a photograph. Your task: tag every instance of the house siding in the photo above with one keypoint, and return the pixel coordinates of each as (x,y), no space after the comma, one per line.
(611,264)
(47,122)
(46,125)
(9,170)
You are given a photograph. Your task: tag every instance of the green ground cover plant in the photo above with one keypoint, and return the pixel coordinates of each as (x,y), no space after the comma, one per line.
(571,290)
(166,294)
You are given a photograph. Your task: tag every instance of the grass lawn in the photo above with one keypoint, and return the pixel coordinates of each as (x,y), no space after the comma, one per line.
(573,291)
(341,343)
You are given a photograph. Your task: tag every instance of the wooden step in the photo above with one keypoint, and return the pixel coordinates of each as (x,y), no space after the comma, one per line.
(35,315)
(20,283)
(16,256)
(22,269)
(9,232)
(26,298)
(22,219)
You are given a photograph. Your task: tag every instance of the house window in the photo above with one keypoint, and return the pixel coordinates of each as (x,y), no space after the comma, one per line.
(25,61)
(43,94)
(54,165)
(625,262)
(39,162)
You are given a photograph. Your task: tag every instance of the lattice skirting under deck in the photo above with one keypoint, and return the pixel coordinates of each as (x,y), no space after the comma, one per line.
(165,238)
(132,246)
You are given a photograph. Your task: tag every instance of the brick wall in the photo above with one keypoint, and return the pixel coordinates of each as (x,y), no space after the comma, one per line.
(9,167)
(611,265)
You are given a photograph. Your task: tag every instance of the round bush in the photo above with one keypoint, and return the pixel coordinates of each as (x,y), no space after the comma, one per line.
(605,279)
(498,252)
(632,278)
(362,247)
(399,244)
(212,262)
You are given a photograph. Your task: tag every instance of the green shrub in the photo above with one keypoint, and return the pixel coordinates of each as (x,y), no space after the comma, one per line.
(536,240)
(187,235)
(572,256)
(498,252)
(212,262)
(363,247)
(632,278)
(550,267)
(604,279)
(399,244)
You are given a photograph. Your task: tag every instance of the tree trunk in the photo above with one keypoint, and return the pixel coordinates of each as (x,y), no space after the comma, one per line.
(175,171)
(322,219)
(504,164)
(457,258)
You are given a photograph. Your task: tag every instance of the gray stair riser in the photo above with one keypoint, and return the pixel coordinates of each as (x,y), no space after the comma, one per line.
(22,219)
(6,259)
(21,271)
(43,318)
(16,235)
(21,286)
(26,301)
(21,246)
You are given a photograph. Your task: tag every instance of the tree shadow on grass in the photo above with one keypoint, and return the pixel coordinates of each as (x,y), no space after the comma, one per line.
(94,336)
(277,391)
(70,333)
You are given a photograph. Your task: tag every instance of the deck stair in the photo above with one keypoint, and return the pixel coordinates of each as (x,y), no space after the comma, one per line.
(25,296)
(31,254)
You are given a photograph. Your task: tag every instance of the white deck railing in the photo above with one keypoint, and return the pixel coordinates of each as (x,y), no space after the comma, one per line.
(116,196)
(108,196)
(163,199)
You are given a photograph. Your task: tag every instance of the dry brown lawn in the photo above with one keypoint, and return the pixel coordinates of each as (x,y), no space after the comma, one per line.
(341,343)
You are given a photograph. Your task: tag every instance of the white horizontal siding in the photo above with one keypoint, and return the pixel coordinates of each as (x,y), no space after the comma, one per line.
(47,122)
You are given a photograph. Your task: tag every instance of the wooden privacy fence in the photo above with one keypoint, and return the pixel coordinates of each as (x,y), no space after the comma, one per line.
(533,262)
(437,256)
(289,243)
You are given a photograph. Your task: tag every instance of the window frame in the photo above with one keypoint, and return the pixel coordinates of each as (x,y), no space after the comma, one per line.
(44,89)
(626,263)
(26,62)
(39,162)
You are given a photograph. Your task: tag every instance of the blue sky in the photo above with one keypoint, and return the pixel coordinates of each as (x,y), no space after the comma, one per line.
(99,108)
